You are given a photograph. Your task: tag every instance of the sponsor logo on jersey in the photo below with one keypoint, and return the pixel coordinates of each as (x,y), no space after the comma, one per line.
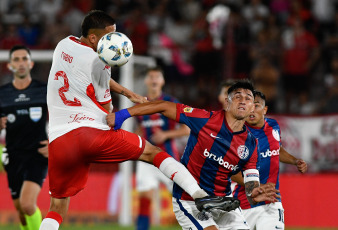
(243,151)
(269,153)
(22,97)
(66,57)
(80,117)
(107,93)
(35,113)
(214,136)
(220,160)
(152,123)
(188,110)
(22,112)
(106,67)
(275,134)
(11,118)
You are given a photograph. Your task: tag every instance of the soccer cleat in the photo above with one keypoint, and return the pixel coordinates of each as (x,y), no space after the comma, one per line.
(224,203)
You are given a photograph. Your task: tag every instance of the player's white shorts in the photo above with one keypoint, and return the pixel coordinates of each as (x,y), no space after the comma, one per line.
(265,217)
(186,212)
(149,177)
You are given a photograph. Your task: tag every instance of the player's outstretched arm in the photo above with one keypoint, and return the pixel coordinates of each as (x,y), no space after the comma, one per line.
(287,158)
(134,97)
(167,108)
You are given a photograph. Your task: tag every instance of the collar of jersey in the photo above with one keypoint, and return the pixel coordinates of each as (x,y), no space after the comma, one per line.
(75,39)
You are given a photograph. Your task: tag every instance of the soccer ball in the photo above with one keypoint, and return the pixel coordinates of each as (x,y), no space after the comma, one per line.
(115,49)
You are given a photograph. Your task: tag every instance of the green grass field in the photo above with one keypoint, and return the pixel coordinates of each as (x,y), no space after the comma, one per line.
(117,227)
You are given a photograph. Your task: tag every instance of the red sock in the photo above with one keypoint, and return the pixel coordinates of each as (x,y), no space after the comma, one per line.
(144,208)
(159,158)
(55,216)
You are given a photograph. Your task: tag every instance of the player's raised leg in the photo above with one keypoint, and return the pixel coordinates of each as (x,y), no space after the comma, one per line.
(57,211)
(172,169)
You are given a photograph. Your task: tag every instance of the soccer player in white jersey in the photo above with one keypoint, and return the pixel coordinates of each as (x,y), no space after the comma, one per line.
(78,99)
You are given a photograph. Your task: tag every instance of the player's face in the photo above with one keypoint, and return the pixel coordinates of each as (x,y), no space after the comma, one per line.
(223,96)
(99,34)
(154,81)
(241,103)
(256,118)
(20,63)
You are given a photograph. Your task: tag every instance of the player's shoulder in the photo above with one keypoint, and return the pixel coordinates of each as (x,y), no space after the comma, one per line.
(6,86)
(168,97)
(272,122)
(38,83)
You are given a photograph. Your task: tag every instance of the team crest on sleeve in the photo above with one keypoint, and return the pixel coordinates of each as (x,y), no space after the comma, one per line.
(243,152)
(275,134)
(35,113)
(188,109)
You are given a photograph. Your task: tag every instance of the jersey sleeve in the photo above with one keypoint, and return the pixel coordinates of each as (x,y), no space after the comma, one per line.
(101,77)
(194,118)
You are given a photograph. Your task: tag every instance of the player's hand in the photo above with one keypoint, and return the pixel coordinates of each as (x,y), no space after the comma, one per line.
(301,165)
(110,118)
(265,192)
(136,98)
(44,150)
(3,123)
(158,137)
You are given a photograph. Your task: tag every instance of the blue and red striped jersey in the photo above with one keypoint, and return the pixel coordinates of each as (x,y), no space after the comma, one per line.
(150,123)
(214,152)
(269,143)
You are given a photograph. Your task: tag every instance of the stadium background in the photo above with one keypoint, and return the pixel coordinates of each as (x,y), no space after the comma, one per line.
(199,44)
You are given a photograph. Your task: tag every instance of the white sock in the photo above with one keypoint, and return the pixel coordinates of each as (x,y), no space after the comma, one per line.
(181,176)
(49,224)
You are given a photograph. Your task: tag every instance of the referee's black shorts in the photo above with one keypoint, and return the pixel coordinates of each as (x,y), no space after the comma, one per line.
(32,168)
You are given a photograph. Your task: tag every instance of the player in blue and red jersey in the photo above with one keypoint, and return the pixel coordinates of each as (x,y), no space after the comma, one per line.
(219,146)
(266,215)
(160,131)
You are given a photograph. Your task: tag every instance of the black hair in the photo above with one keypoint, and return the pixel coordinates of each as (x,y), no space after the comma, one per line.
(259,94)
(18,47)
(155,68)
(96,19)
(242,84)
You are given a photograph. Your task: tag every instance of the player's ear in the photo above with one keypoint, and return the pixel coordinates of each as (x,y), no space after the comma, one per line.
(265,109)
(31,65)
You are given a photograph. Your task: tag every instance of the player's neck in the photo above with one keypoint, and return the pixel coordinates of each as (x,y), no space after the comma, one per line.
(234,124)
(22,83)
(153,95)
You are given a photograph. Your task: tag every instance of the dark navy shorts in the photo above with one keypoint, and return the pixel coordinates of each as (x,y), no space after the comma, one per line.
(32,169)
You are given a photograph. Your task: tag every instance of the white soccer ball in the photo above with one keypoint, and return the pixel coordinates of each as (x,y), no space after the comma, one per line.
(115,49)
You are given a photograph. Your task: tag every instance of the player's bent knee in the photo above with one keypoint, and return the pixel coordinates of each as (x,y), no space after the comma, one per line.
(149,153)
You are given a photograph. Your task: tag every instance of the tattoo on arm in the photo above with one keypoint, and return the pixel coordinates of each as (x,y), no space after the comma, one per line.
(123,93)
(249,187)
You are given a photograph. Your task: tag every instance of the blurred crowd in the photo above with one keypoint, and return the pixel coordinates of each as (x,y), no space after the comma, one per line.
(288,48)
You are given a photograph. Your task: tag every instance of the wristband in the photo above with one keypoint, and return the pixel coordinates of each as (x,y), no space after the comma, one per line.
(120,117)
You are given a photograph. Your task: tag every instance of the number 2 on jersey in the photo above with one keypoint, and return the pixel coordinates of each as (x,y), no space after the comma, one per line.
(64,89)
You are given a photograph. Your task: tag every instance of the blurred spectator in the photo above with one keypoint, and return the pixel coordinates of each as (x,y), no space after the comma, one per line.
(48,10)
(330,102)
(11,37)
(265,78)
(137,30)
(267,43)
(300,53)
(255,13)
(28,32)
(280,8)
(330,41)
(71,16)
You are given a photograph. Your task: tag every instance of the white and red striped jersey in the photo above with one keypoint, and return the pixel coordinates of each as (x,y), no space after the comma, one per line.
(78,85)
